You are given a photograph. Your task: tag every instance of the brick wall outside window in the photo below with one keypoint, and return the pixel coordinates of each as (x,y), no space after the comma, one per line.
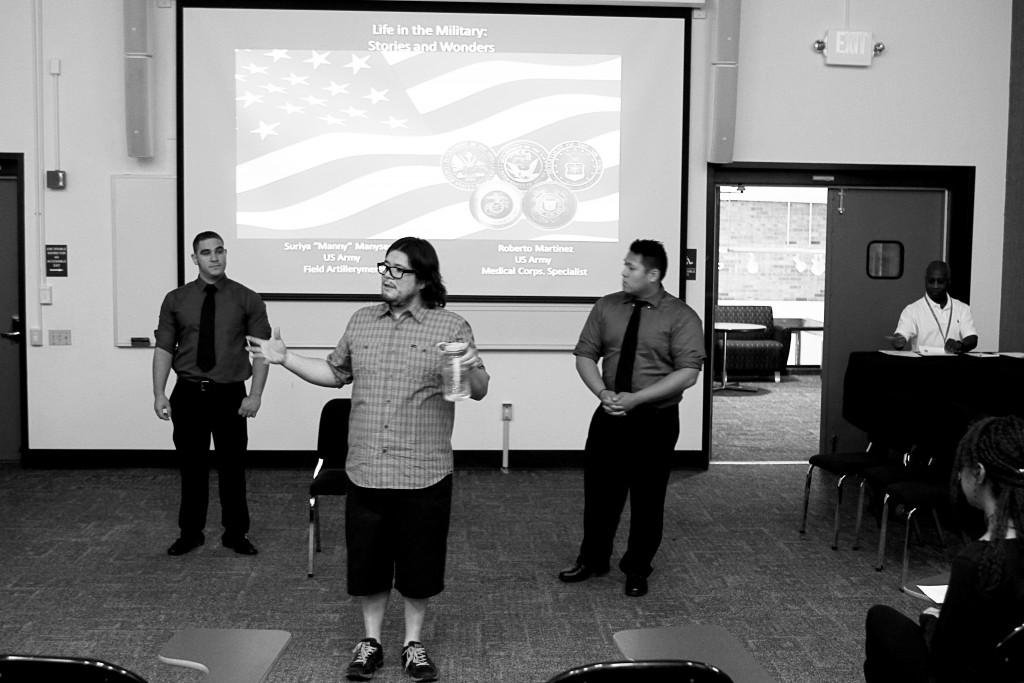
(771,251)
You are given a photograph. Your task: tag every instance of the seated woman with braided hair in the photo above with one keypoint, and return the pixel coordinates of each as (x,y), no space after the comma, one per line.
(985,598)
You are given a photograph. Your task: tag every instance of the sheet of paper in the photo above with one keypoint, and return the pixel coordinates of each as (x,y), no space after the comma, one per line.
(906,354)
(936,594)
(1012,354)
(984,354)
(933,351)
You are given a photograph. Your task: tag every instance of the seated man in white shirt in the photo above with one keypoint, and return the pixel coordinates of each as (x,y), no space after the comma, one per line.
(936,321)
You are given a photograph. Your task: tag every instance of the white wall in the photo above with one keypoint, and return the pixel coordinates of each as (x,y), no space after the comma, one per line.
(938,96)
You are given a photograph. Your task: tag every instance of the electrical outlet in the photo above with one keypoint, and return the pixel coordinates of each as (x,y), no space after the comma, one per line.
(506,412)
(60,337)
(35,336)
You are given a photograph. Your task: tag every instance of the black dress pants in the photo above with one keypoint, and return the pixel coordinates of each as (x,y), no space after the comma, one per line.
(199,411)
(627,455)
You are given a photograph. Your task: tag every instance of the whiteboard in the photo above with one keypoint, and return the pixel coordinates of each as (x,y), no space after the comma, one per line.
(145,252)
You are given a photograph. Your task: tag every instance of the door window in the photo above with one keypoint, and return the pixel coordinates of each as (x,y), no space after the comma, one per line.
(885,260)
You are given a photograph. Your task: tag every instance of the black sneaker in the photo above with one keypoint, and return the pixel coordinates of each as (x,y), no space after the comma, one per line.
(416,662)
(369,656)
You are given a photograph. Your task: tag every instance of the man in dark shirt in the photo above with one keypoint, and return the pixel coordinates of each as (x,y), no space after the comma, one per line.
(201,335)
(651,347)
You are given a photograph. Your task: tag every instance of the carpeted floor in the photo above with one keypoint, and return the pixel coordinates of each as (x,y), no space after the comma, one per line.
(83,571)
(777,422)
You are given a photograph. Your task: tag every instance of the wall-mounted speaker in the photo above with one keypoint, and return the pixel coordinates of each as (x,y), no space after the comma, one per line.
(136,27)
(722,113)
(137,101)
(725,32)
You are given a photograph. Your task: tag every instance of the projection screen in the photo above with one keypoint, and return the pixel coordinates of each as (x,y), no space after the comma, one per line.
(529,144)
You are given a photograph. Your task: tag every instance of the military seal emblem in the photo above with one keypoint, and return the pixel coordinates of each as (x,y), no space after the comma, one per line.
(496,204)
(467,164)
(549,206)
(522,163)
(575,164)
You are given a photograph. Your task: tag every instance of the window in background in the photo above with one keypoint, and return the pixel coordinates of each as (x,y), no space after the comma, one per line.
(772,252)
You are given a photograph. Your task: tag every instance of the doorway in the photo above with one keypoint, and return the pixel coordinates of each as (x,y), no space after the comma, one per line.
(12,313)
(771,266)
(954,188)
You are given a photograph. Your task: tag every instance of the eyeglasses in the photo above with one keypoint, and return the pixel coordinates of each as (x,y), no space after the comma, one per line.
(385,268)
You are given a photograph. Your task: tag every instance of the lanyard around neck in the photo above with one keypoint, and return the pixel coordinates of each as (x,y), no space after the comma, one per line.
(945,335)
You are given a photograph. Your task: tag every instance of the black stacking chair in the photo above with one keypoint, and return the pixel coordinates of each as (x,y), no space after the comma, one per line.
(329,478)
(914,495)
(660,671)
(920,483)
(842,465)
(35,668)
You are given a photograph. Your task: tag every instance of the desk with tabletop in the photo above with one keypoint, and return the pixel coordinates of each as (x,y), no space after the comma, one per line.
(226,655)
(698,642)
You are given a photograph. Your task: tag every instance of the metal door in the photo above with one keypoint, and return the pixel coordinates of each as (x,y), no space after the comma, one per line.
(861,308)
(10,318)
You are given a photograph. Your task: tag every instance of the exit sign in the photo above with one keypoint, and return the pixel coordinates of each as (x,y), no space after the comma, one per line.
(849,48)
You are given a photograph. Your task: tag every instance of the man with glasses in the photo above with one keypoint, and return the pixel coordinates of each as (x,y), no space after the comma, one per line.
(936,321)
(400,452)
(201,334)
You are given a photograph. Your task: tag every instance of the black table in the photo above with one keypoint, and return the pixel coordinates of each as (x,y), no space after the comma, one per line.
(902,399)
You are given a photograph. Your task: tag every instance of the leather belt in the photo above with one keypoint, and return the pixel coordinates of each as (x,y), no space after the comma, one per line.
(209,384)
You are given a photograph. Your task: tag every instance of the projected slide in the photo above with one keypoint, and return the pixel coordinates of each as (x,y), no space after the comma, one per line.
(342,144)
(529,149)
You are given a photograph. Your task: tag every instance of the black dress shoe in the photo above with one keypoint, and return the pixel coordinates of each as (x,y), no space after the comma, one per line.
(241,545)
(636,585)
(185,544)
(581,572)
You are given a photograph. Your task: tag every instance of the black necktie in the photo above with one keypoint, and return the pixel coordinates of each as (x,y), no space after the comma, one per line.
(206,357)
(624,371)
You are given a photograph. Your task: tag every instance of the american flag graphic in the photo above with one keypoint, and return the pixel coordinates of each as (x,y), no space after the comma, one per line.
(349,144)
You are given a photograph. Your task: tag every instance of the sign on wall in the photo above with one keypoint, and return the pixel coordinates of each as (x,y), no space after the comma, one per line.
(56,260)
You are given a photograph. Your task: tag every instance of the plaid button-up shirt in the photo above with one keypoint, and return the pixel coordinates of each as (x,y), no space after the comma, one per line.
(400,431)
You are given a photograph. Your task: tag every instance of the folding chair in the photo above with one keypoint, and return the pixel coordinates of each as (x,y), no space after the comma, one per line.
(329,478)
(842,465)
